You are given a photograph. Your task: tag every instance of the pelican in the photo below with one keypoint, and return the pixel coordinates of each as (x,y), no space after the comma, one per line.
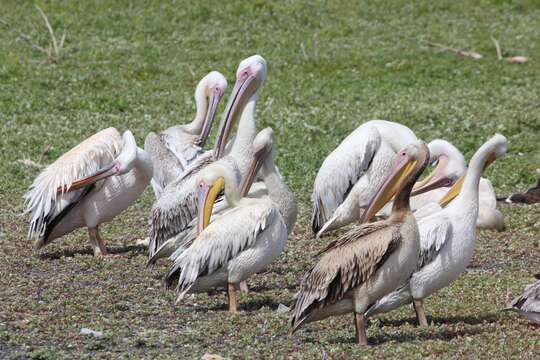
(370,260)
(176,147)
(531,196)
(273,187)
(87,186)
(351,174)
(177,206)
(236,245)
(528,303)
(447,237)
(450,166)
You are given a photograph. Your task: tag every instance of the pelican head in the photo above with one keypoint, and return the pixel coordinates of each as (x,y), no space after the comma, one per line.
(450,166)
(490,151)
(250,75)
(212,180)
(263,148)
(408,165)
(208,94)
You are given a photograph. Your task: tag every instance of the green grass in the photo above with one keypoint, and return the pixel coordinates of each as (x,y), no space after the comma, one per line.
(332,66)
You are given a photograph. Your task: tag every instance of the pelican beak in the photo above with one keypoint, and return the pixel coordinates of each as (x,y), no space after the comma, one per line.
(244,88)
(205,201)
(401,171)
(104,172)
(456,188)
(491,158)
(213,104)
(254,168)
(453,192)
(436,179)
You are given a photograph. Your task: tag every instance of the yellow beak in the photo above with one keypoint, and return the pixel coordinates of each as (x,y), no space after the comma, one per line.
(391,186)
(453,192)
(206,197)
(456,188)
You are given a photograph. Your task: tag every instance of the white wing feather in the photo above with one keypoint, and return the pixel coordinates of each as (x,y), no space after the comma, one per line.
(341,170)
(434,233)
(220,242)
(42,200)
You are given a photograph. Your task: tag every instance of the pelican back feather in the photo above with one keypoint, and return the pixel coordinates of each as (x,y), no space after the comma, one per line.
(345,264)
(44,202)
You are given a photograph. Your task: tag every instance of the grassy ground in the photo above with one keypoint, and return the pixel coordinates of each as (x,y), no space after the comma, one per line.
(331,67)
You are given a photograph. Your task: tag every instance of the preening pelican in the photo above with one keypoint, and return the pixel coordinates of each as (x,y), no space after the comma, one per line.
(370,260)
(352,173)
(528,303)
(450,166)
(87,186)
(274,188)
(176,147)
(447,237)
(177,206)
(236,245)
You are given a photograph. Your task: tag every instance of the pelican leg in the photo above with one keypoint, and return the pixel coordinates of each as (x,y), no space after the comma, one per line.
(243,286)
(97,243)
(360,325)
(231,292)
(420,312)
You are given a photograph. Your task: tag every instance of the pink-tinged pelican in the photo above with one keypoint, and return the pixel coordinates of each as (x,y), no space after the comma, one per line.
(177,207)
(245,239)
(351,174)
(87,186)
(447,237)
(176,147)
(370,260)
(528,303)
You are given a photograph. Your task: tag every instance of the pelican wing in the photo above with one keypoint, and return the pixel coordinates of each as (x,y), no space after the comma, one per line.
(43,200)
(167,167)
(341,170)
(222,241)
(345,264)
(185,154)
(177,205)
(434,231)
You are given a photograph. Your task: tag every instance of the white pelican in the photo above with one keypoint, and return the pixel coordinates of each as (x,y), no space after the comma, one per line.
(528,303)
(87,186)
(370,260)
(274,188)
(351,174)
(177,206)
(447,237)
(236,245)
(450,166)
(176,147)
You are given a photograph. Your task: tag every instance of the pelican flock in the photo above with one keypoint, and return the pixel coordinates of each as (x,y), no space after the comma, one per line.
(447,237)
(222,215)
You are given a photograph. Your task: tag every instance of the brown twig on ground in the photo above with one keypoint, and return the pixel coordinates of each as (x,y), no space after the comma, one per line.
(444,48)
